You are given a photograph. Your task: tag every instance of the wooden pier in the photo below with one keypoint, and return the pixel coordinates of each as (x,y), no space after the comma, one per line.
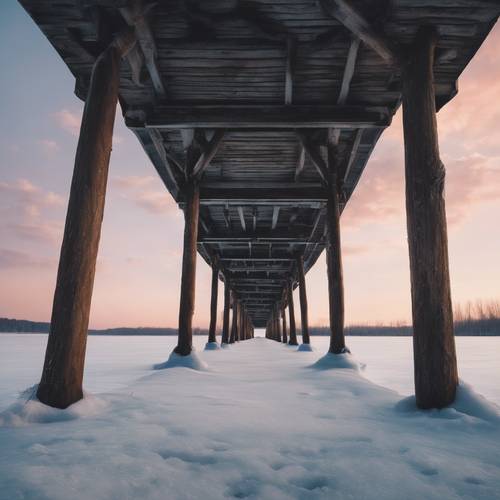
(260,116)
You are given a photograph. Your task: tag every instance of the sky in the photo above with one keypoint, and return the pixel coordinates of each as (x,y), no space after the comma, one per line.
(140,256)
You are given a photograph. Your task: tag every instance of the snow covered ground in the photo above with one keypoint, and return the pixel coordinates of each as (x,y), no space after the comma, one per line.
(259,423)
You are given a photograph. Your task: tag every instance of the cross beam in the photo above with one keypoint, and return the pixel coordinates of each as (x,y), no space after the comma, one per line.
(268,117)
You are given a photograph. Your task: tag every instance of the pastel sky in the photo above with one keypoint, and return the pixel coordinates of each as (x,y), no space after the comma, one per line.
(138,272)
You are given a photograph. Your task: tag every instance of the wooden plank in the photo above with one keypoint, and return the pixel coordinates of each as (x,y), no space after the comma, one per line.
(348,71)
(242,218)
(135,15)
(315,155)
(344,12)
(290,66)
(208,153)
(265,117)
(300,162)
(353,153)
(276,212)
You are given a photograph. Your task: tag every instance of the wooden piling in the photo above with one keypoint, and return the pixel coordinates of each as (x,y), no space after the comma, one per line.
(303,299)
(234,325)
(61,381)
(436,375)
(227,307)
(213,304)
(188,278)
(283,317)
(334,256)
(291,317)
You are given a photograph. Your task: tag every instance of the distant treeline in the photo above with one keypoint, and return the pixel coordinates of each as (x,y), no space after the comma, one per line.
(474,318)
(23,326)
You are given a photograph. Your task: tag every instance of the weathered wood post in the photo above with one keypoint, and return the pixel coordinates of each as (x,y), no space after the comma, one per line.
(436,375)
(213,304)
(62,375)
(303,299)
(227,307)
(334,256)
(234,325)
(188,278)
(277,317)
(283,317)
(291,316)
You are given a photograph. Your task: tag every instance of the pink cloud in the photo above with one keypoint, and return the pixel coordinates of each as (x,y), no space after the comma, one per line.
(48,146)
(15,259)
(133,181)
(69,121)
(155,202)
(45,232)
(26,193)
(138,190)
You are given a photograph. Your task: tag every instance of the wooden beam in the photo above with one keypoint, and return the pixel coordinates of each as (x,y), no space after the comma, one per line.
(268,116)
(276,213)
(353,153)
(312,196)
(242,218)
(436,377)
(157,141)
(208,153)
(135,15)
(348,71)
(290,64)
(315,155)
(354,21)
(299,167)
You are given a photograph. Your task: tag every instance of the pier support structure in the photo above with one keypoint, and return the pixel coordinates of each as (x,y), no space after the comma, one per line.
(62,375)
(213,304)
(291,316)
(303,299)
(188,278)
(334,254)
(227,307)
(435,362)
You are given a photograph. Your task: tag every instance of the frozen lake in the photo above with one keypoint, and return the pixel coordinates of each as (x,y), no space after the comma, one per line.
(115,362)
(257,420)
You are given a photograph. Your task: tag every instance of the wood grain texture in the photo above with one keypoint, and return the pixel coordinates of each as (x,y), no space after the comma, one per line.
(61,382)
(435,363)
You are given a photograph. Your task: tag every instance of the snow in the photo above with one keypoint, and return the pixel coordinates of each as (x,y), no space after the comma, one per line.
(212,346)
(305,348)
(335,361)
(262,422)
(192,361)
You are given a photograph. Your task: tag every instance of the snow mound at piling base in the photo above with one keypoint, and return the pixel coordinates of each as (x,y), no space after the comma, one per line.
(29,410)
(305,348)
(212,346)
(332,361)
(175,360)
